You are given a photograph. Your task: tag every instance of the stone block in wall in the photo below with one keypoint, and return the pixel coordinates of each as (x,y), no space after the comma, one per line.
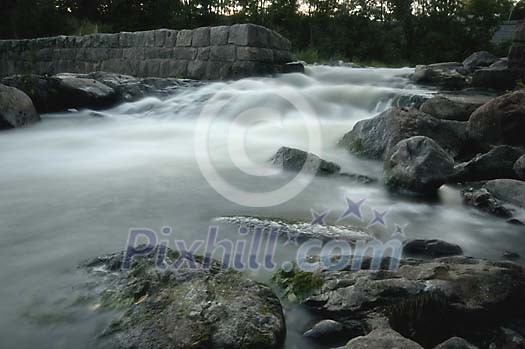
(44,54)
(69,54)
(149,38)
(133,53)
(186,53)
(201,37)
(203,53)
(150,68)
(97,54)
(224,53)
(246,53)
(248,68)
(249,35)
(219,35)
(282,56)
(114,65)
(126,39)
(197,69)
(171,39)
(174,68)
(279,42)
(157,52)
(218,70)
(184,38)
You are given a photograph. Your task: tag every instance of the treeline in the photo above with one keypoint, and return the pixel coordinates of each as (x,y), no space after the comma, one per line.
(389,31)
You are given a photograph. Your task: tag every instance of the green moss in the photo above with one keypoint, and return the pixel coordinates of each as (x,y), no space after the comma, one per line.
(299,283)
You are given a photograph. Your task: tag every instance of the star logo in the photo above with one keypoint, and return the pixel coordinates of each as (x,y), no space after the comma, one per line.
(291,239)
(353,209)
(319,218)
(400,230)
(379,218)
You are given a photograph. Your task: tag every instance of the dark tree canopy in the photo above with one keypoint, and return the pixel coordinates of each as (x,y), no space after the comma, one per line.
(365,30)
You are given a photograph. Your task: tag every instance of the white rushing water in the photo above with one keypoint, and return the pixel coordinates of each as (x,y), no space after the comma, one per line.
(73,185)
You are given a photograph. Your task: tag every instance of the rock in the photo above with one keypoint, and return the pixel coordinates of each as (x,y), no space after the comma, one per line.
(515,221)
(185,308)
(455,343)
(508,190)
(500,63)
(16,108)
(497,163)
(418,164)
(519,168)
(374,138)
(479,59)
(449,75)
(292,159)
(517,49)
(324,330)
(293,67)
(382,339)
(500,121)
(86,93)
(407,100)
(431,248)
(482,199)
(443,108)
(359,178)
(427,301)
(510,255)
(497,77)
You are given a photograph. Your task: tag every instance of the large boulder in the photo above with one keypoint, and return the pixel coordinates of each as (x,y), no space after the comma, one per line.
(483,200)
(374,138)
(294,160)
(86,93)
(426,301)
(479,59)
(497,163)
(444,108)
(449,75)
(430,248)
(193,306)
(418,164)
(508,190)
(500,121)
(519,168)
(497,77)
(382,339)
(16,108)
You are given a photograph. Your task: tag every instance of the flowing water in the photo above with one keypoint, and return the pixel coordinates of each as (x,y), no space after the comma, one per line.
(73,185)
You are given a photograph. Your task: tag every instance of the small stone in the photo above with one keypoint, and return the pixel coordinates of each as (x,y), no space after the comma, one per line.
(324,329)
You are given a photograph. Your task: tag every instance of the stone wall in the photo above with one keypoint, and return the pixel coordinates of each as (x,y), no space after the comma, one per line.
(207,53)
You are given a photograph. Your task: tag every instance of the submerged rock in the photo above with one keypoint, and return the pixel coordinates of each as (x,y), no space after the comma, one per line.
(426,301)
(325,330)
(291,159)
(186,308)
(431,248)
(374,138)
(16,108)
(482,199)
(418,164)
(497,163)
(500,121)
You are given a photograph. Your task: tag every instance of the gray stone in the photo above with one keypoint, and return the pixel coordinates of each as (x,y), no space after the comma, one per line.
(519,168)
(373,138)
(16,108)
(444,108)
(382,339)
(483,200)
(201,37)
(197,69)
(171,39)
(186,53)
(325,329)
(479,59)
(160,37)
(223,53)
(295,160)
(184,38)
(455,343)
(417,164)
(249,35)
(431,248)
(508,190)
(254,54)
(499,78)
(449,75)
(497,163)
(205,307)
(500,121)
(219,35)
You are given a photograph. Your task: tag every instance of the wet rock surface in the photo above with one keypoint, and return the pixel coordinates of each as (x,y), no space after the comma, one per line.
(427,302)
(295,160)
(374,138)
(185,308)
(16,108)
(430,248)
(450,75)
(417,164)
(508,190)
(450,109)
(481,198)
(455,343)
(519,167)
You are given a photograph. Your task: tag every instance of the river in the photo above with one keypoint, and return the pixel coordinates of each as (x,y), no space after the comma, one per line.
(73,185)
